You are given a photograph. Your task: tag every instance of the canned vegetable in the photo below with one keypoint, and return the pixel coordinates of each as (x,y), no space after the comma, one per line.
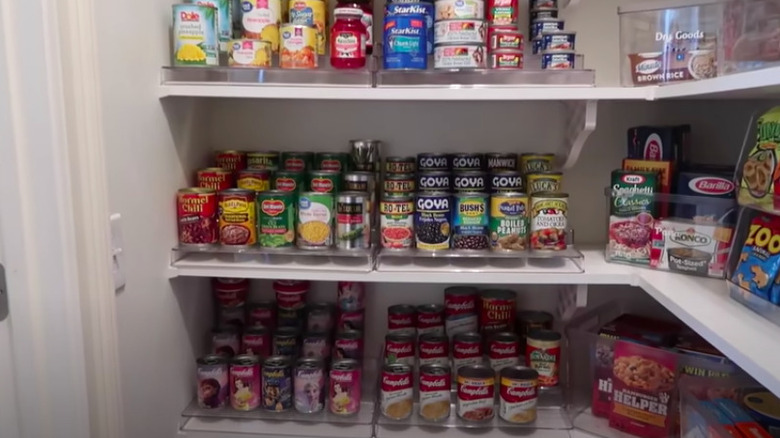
(315,220)
(237,224)
(276,219)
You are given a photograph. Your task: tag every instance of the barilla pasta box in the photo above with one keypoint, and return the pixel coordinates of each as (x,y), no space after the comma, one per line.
(664,171)
(743,422)
(659,143)
(707,185)
(631,215)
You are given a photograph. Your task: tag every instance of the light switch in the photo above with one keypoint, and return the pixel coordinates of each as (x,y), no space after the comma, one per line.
(117,246)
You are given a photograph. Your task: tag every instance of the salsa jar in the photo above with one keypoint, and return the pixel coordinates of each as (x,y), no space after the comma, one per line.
(348,38)
(237,224)
(196,211)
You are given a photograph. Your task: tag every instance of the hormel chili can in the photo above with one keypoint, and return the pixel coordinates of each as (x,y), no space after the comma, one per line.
(262,313)
(401,319)
(435,383)
(215,178)
(399,349)
(231,160)
(497,310)
(430,319)
(397,396)
(256,341)
(348,345)
(466,350)
(351,320)
(460,310)
(344,393)
(433,349)
(517,394)
(476,393)
(503,350)
(230,292)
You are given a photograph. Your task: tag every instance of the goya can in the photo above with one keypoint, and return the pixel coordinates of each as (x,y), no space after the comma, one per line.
(506,181)
(460,310)
(466,350)
(262,160)
(424,9)
(508,221)
(401,320)
(353,220)
(324,181)
(348,345)
(432,221)
(334,161)
(517,394)
(258,180)
(549,221)
(531,163)
(298,47)
(429,319)
(231,160)
(196,213)
(260,20)
(400,165)
(309,384)
(344,393)
(296,161)
(543,182)
(503,350)
(543,354)
(276,219)
(289,181)
(399,184)
(466,161)
(213,388)
(195,35)
(277,384)
(396,397)
(237,223)
(256,341)
(428,161)
(315,220)
(311,13)
(405,43)
(434,181)
(470,221)
(501,161)
(497,310)
(469,181)
(399,348)
(396,222)
(433,349)
(215,178)
(435,384)
(245,383)
(476,393)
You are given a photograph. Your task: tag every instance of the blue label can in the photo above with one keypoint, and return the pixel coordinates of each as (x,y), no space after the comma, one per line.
(414,9)
(405,38)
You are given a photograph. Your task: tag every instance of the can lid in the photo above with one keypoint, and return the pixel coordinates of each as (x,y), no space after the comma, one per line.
(397,368)
(503,294)
(344,364)
(435,369)
(309,363)
(349,334)
(212,359)
(287,331)
(257,330)
(558,52)
(430,308)
(276,361)
(197,191)
(544,335)
(401,308)
(461,290)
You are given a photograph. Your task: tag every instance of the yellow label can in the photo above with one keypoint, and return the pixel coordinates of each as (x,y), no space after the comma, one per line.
(260,20)
(299,47)
(311,13)
(249,53)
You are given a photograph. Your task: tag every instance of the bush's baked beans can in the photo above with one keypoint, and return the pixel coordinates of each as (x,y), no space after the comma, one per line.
(353,220)
(333,161)
(309,386)
(348,345)
(531,163)
(245,383)
(506,181)
(231,160)
(258,180)
(237,223)
(497,310)
(435,384)
(501,161)
(231,317)
(432,162)
(399,349)
(469,182)
(503,350)
(230,292)
(277,384)
(213,388)
(460,310)
(225,341)
(344,393)
(466,350)
(196,212)
(262,160)
(429,319)
(316,345)
(529,320)
(215,178)
(287,342)
(399,184)
(401,319)
(352,320)
(518,394)
(262,314)
(400,165)
(256,341)
(396,398)
(296,161)
(289,181)
(320,317)
(543,354)
(548,216)
(462,162)
(433,349)
(476,393)
(351,295)
(549,181)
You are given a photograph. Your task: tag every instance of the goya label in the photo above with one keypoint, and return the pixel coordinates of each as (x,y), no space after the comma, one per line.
(276,219)
(508,222)
(432,221)
(470,221)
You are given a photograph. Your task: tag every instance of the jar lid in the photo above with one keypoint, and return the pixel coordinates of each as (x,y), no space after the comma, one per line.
(348,11)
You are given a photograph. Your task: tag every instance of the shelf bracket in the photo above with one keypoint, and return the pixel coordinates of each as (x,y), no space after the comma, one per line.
(571,298)
(581,123)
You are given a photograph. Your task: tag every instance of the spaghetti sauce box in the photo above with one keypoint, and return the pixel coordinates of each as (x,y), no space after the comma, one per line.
(632,212)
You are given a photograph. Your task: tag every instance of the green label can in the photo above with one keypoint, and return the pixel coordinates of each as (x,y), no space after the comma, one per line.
(543,182)
(276,219)
(399,184)
(315,220)
(508,221)
(288,181)
(262,160)
(325,181)
(296,161)
(337,161)
(530,163)
(195,35)
(470,221)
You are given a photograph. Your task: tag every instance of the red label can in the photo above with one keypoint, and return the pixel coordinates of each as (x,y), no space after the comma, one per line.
(351,320)
(256,341)
(213,387)
(291,294)
(518,394)
(263,314)
(196,212)
(502,12)
(399,348)
(476,393)
(225,341)
(433,349)
(397,391)
(460,310)
(466,350)
(245,383)
(215,178)
(497,313)
(401,319)
(503,350)
(231,160)
(230,292)
(348,345)
(344,393)
(351,295)
(430,319)
(435,383)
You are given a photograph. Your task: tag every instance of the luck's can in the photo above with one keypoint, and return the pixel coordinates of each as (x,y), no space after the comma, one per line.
(517,394)
(549,220)
(396,398)
(399,348)
(195,35)
(396,222)
(352,320)
(429,319)
(476,393)
(506,181)
(543,354)
(286,342)
(258,180)
(256,341)
(261,314)
(501,161)
(225,341)
(333,161)
(268,160)
(320,317)
(289,181)
(348,345)
(469,181)
(466,350)
(315,220)
(531,163)
(503,350)
(344,393)
(237,223)
(399,184)
(529,320)
(196,213)
(432,220)
(467,161)
(309,385)
(401,319)
(435,383)
(296,161)
(508,221)
(277,384)
(245,383)
(497,310)
(543,182)
(215,178)
(351,295)
(353,220)
(400,165)
(316,345)
(324,181)
(428,161)
(231,160)
(433,349)
(434,181)
(213,388)
(276,219)
(460,310)
(470,221)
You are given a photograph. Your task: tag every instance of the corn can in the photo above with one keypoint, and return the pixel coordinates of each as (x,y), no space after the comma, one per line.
(237,225)
(311,13)
(315,220)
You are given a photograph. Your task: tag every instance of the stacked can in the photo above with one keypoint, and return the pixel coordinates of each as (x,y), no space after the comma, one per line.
(351,319)
(549,39)
(407,35)
(460,34)
(505,41)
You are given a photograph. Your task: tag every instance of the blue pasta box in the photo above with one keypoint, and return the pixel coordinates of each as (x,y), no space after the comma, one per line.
(659,143)
(707,185)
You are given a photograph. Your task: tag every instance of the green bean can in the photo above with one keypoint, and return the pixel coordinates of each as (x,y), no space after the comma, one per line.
(296,161)
(262,160)
(338,161)
(288,181)
(276,219)
(315,220)
(324,181)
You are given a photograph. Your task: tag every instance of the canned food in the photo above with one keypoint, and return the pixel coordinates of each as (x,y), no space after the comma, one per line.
(365,154)
(506,39)
(433,349)
(309,384)
(286,342)
(428,161)
(351,295)
(231,317)
(400,165)
(466,350)
(352,320)
(470,221)
(249,53)
(195,35)
(262,314)
(405,43)
(424,9)
(401,319)
(536,45)
(260,20)
(324,181)
(501,161)
(537,4)
(497,310)
(435,383)
(397,391)
(543,354)
(432,221)
(476,393)
(277,384)
(518,394)
(294,318)
(344,394)
(429,319)
(256,341)
(362,182)
(196,212)
(230,292)
(509,221)
(458,55)
(468,31)
(460,310)
(311,13)
(548,220)
(558,60)
(215,178)
(320,317)
(396,222)
(316,345)
(225,341)
(276,219)
(296,161)
(541,25)
(469,181)
(353,221)
(558,40)
(531,163)
(291,294)
(543,13)
(548,181)
(434,181)
(502,11)
(503,350)
(399,349)
(237,226)
(262,160)
(462,162)
(506,59)
(315,220)
(289,181)
(529,320)
(258,180)
(331,161)
(399,184)
(348,345)
(460,9)
(213,386)
(231,160)
(245,383)
(506,181)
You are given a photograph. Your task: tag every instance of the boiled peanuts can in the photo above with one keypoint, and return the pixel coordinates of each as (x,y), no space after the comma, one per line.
(508,221)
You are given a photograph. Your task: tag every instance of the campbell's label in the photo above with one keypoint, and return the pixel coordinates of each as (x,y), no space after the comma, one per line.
(401,323)
(397,392)
(351,320)
(459,304)
(463,350)
(434,352)
(475,398)
(517,400)
(264,316)
(399,352)
(435,395)
(430,322)
(395,381)
(348,348)
(344,376)
(256,344)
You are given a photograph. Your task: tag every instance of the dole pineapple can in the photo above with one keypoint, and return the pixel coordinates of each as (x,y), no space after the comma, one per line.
(195,36)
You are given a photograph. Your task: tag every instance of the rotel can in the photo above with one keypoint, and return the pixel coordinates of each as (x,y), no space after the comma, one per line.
(466,350)
(344,393)
(399,184)
(497,310)
(401,319)
(400,165)
(215,178)
(245,383)
(435,383)
(476,393)
(517,394)
(213,385)
(231,160)
(503,350)
(397,391)
(196,212)
(277,384)
(256,341)
(399,349)
(460,310)
(348,345)
(430,319)
(309,386)
(433,349)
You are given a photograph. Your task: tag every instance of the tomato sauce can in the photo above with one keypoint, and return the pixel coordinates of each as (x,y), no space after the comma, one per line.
(348,345)
(352,320)
(291,294)
(320,317)
(543,354)
(476,393)
(286,342)
(530,163)
(231,160)
(502,12)
(344,393)
(237,223)
(289,181)
(256,341)
(396,222)
(296,161)
(400,165)
(435,384)
(399,184)
(518,392)
(466,350)
(268,160)
(258,180)
(213,388)
(399,349)
(506,181)
(245,383)
(309,385)
(215,178)
(497,310)
(549,221)
(262,314)
(429,318)
(396,398)
(501,161)
(353,220)
(351,295)
(231,317)
(503,350)
(230,292)
(332,161)
(433,349)
(460,310)
(324,181)
(225,341)
(276,219)
(548,181)
(196,212)
(315,220)
(277,384)
(401,319)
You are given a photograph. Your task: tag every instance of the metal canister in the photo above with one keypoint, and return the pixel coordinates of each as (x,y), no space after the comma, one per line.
(399,184)
(333,161)
(256,341)
(476,393)
(276,219)
(466,350)
(435,383)
(501,161)
(258,180)
(506,181)
(348,345)
(543,354)
(215,178)
(503,350)
(509,221)
(366,154)
(434,180)
(315,220)
(296,161)
(470,221)
(460,310)
(548,181)
(277,384)
(262,160)
(316,345)
(400,165)
(237,224)
(325,181)
(530,163)
(212,381)
(196,213)
(396,222)
(399,348)
(401,319)
(353,220)
(433,349)
(497,310)
(231,160)
(309,385)
(429,319)
(518,394)
(396,398)
(289,181)
(549,221)
(286,342)
(467,161)
(344,393)
(245,383)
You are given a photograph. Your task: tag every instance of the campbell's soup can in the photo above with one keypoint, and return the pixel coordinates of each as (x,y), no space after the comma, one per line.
(291,294)
(256,341)
(316,345)
(262,313)
(286,342)
(518,394)
(320,317)
(466,350)
(401,319)
(231,317)
(226,341)
(430,319)
(433,349)
(348,345)
(467,161)
(230,292)
(351,295)
(396,398)
(497,310)
(354,320)
(476,393)
(344,391)
(460,310)
(435,384)
(399,349)
(245,383)
(213,385)
(503,350)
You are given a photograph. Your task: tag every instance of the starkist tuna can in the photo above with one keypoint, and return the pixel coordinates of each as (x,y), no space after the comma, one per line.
(405,42)
(415,10)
